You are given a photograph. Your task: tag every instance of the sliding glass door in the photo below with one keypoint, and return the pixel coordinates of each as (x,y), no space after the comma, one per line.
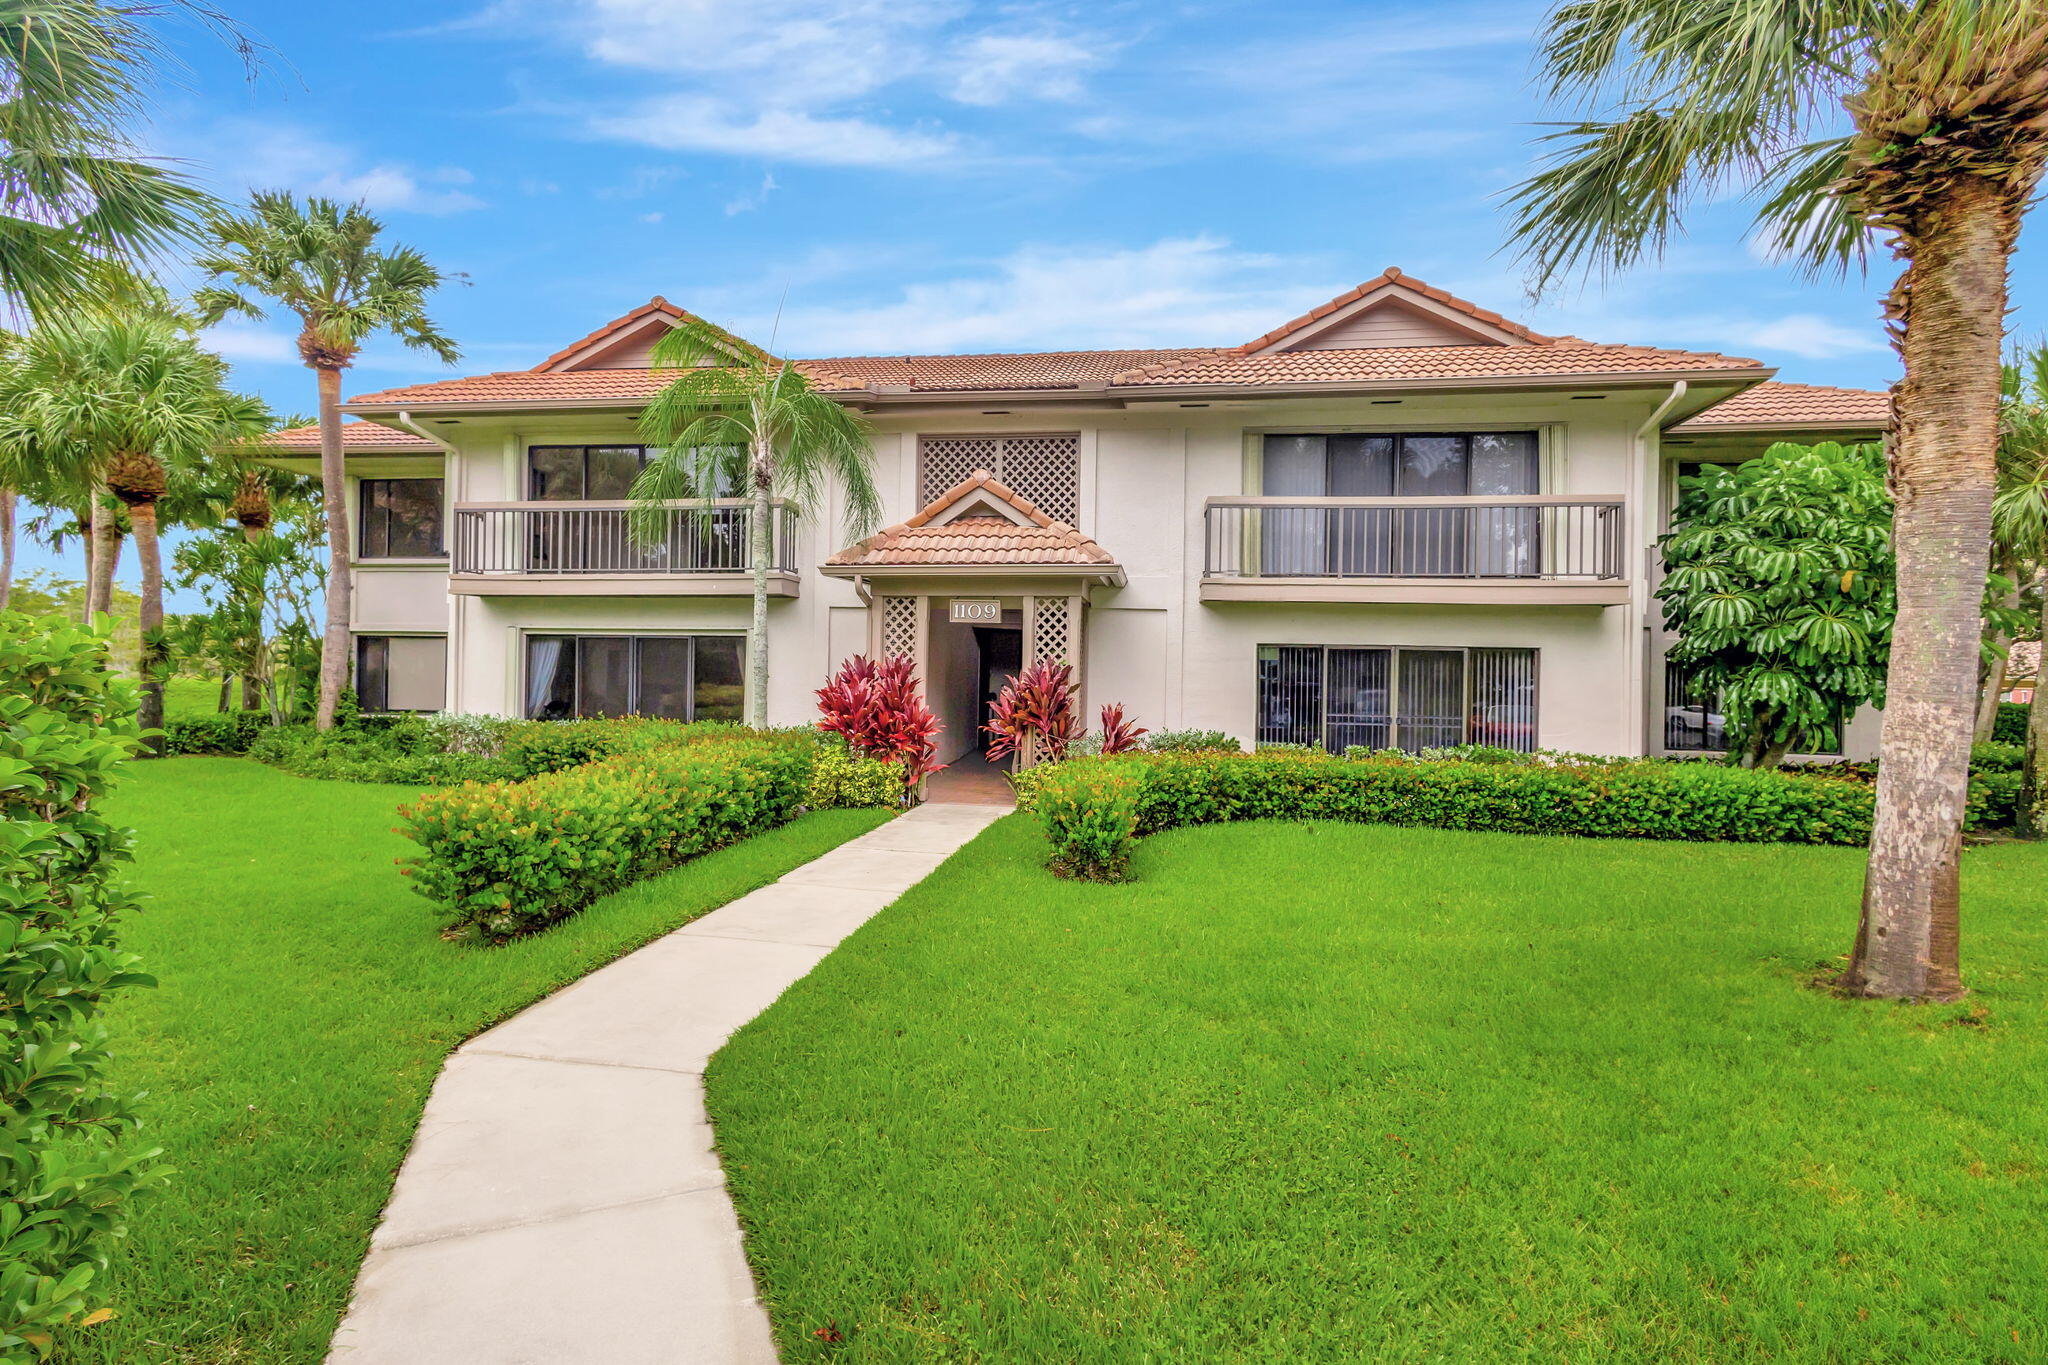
(680,677)
(1340,698)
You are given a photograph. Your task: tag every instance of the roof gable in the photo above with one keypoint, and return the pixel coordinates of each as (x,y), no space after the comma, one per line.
(981,522)
(621,344)
(1393,310)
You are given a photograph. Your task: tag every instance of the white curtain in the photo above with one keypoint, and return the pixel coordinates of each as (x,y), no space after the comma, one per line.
(541,658)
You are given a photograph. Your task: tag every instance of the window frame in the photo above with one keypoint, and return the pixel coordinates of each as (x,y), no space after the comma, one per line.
(1535,433)
(529,637)
(364,510)
(1393,653)
(361,639)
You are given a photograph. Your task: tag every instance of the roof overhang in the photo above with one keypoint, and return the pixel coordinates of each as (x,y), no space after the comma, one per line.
(1094,575)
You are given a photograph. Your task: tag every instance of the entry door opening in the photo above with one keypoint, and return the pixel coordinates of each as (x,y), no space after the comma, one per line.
(1000,651)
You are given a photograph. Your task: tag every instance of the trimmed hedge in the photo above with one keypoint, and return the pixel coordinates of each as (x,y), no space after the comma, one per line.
(1092,809)
(223,732)
(2011,725)
(510,858)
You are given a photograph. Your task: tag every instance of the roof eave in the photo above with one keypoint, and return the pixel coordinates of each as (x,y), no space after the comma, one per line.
(1104,575)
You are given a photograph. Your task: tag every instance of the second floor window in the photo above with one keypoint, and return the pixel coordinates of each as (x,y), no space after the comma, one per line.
(1403,465)
(591,473)
(401,519)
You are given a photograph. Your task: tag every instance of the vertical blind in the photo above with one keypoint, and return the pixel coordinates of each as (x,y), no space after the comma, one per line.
(1339,698)
(681,677)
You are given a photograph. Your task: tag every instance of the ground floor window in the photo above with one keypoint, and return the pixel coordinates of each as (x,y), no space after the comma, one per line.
(402,672)
(1394,698)
(1694,723)
(681,677)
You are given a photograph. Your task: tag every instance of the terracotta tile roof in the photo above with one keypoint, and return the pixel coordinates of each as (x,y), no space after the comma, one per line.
(1393,364)
(369,437)
(991,540)
(655,305)
(523,386)
(1392,275)
(1040,370)
(2024,662)
(1773,404)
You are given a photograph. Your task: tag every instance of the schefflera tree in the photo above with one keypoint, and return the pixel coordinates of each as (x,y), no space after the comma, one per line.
(70,1160)
(1780,588)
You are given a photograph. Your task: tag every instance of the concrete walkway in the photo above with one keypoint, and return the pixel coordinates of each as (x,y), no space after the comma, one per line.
(562,1203)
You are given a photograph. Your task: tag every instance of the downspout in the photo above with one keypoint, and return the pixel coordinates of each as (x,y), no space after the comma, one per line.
(1640,512)
(451,467)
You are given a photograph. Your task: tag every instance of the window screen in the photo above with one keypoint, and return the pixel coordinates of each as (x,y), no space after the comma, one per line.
(401,672)
(1339,698)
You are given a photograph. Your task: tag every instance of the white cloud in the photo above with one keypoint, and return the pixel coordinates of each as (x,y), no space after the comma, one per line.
(1813,337)
(249,343)
(697,123)
(747,203)
(1173,292)
(1004,68)
(267,155)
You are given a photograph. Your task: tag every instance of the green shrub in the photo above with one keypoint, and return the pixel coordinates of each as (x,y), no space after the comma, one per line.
(1635,800)
(840,778)
(530,748)
(1994,801)
(221,732)
(1996,757)
(1195,741)
(1090,815)
(509,858)
(2011,725)
(395,753)
(68,1159)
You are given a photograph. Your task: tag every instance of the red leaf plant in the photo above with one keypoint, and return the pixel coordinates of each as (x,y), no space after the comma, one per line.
(1119,736)
(879,709)
(1033,716)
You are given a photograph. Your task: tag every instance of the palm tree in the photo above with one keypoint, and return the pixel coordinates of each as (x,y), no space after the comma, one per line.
(1946,106)
(2019,528)
(140,403)
(321,261)
(733,415)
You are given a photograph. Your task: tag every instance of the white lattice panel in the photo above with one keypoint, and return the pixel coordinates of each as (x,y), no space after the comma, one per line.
(899,627)
(1045,468)
(1055,631)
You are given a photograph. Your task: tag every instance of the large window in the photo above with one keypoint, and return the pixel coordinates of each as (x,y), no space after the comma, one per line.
(1385,698)
(1399,541)
(402,672)
(593,473)
(401,519)
(682,677)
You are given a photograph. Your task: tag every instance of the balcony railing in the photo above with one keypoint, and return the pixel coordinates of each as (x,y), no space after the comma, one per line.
(1549,538)
(595,538)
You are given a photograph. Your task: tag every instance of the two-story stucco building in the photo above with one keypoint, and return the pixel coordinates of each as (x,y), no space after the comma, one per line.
(1399,520)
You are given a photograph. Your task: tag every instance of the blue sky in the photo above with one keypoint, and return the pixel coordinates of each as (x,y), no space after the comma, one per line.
(933,175)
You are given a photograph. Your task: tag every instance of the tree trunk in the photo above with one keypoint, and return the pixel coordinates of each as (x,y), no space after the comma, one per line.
(333,484)
(227,692)
(142,516)
(760,548)
(105,535)
(7,508)
(1991,674)
(2033,812)
(1945,440)
(252,696)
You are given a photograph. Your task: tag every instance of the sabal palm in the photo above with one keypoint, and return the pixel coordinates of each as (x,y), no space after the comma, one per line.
(733,415)
(140,402)
(2019,529)
(321,261)
(1923,121)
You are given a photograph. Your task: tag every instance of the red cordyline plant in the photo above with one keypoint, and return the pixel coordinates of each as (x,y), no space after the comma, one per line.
(1033,716)
(1119,736)
(879,709)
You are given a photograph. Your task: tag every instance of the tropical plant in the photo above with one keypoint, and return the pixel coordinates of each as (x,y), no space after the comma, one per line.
(1926,122)
(1033,716)
(321,262)
(2019,528)
(259,593)
(1778,588)
(732,415)
(1119,736)
(69,1163)
(877,707)
(139,403)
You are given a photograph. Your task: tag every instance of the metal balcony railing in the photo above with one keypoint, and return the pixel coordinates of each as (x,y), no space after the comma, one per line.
(595,538)
(1538,537)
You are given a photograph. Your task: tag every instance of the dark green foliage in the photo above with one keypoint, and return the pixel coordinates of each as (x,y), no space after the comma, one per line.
(2011,725)
(399,752)
(1092,808)
(68,1159)
(1180,741)
(509,858)
(438,750)
(215,732)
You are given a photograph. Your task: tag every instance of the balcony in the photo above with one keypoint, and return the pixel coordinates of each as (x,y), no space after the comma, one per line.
(586,549)
(1558,550)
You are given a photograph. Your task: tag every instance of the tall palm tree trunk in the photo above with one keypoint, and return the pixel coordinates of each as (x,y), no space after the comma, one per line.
(105,537)
(1942,472)
(8,501)
(760,548)
(333,482)
(142,517)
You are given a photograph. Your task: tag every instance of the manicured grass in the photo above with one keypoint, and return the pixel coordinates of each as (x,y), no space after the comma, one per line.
(306,1004)
(195,697)
(1349,1093)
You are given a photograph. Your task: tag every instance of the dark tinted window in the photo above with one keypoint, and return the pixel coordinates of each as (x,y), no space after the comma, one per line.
(681,677)
(401,518)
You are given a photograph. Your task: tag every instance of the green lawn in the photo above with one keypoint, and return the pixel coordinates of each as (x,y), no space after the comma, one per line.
(306,1004)
(1343,1093)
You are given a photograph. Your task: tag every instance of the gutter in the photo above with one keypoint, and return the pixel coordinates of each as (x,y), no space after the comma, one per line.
(1641,664)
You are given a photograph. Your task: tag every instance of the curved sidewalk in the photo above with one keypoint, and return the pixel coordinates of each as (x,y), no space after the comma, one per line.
(562,1202)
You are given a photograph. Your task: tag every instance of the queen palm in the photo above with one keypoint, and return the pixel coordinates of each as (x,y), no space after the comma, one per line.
(139,403)
(321,261)
(1925,122)
(732,415)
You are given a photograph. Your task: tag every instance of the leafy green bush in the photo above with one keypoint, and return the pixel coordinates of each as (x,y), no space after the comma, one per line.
(393,753)
(221,732)
(1185,741)
(532,747)
(2011,725)
(68,1160)
(1996,757)
(510,858)
(1637,800)
(1994,800)
(840,778)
